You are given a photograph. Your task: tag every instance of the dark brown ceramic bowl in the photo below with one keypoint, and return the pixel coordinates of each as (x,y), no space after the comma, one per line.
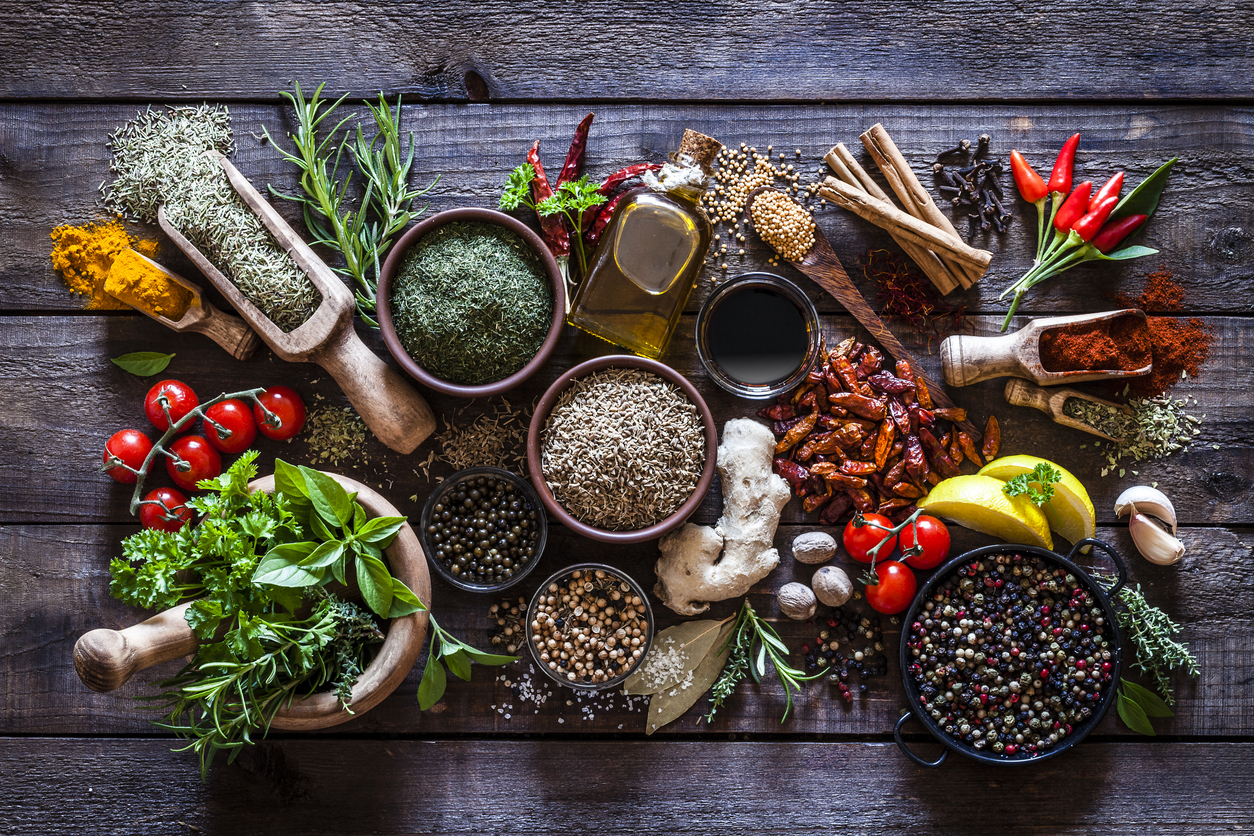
(541,416)
(393,263)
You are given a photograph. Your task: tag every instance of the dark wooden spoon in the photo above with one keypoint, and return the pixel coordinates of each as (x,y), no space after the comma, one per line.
(823,267)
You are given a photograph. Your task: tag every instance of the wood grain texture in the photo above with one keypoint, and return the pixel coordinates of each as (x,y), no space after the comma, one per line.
(635,50)
(392,787)
(56,579)
(53,156)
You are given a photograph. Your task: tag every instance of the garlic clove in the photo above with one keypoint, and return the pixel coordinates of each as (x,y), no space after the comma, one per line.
(1154,544)
(1147,500)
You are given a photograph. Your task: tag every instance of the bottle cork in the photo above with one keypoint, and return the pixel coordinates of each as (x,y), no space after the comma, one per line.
(701,148)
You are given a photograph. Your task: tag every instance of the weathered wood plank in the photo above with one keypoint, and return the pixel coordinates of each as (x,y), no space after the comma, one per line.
(64,399)
(56,578)
(53,157)
(474,787)
(534,50)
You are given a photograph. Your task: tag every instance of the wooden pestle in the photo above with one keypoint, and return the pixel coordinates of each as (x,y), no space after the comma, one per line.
(106,659)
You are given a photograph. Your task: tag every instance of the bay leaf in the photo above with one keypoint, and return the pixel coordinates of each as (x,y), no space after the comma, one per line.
(143,363)
(667,706)
(690,641)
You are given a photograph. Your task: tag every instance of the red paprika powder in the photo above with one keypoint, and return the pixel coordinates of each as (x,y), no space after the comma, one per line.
(1119,344)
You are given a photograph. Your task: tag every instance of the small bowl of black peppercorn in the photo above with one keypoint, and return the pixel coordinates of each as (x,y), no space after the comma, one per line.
(484,529)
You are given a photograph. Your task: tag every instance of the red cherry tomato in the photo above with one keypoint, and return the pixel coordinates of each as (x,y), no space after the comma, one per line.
(933,540)
(200,460)
(859,540)
(129,448)
(895,590)
(288,413)
(239,430)
(177,396)
(172,513)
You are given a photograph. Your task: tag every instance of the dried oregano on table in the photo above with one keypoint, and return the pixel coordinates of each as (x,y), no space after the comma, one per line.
(161,158)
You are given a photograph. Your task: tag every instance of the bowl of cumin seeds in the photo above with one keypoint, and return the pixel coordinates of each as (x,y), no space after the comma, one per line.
(622,449)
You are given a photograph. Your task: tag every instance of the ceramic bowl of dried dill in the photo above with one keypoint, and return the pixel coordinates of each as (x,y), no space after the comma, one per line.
(622,449)
(471,302)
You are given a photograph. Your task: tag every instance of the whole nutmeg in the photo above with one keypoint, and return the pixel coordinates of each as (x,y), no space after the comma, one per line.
(796,600)
(832,586)
(814,547)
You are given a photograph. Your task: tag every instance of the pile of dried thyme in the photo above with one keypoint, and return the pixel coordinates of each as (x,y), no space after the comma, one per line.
(1157,427)
(161,158)
(471,303)
(622,449)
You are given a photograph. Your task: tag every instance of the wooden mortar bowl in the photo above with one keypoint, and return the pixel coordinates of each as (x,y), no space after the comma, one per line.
(105,659)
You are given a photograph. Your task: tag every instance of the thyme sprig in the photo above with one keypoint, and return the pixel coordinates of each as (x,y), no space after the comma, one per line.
(1152,633)
(362,235)
(753,641)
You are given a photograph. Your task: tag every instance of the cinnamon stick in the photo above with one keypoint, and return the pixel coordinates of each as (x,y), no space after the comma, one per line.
(910,191)
(847,168)
(887,216)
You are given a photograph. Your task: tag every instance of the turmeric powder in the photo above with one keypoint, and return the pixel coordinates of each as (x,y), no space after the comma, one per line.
(139,284)
(84,254)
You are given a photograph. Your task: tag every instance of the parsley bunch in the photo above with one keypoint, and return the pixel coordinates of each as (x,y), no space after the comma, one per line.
(570,201)
(1038,485)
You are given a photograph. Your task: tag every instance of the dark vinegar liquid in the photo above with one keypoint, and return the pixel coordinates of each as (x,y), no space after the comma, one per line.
(757,336)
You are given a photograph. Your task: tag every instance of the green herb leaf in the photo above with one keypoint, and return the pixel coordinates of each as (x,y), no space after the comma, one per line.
(143,363)
(483,658)
(682,647)
(458,664)
(293,553)
(1133,716)
(1038,485)
(433,683)
(518,188)
(1127,253)
(1143,200)
(279,572)
(289,480)
(1150,703)
(330,500)
(380,531)
(404,601)
(324,555)
(375,582)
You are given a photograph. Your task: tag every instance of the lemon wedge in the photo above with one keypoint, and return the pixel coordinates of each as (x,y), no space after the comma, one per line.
(977,502)
(1070,512)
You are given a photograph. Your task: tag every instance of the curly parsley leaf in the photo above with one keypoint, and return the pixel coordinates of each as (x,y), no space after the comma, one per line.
(572,198)
(518,188)
(1037,486)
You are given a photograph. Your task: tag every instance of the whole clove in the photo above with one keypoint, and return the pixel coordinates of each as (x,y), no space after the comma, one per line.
(974,186)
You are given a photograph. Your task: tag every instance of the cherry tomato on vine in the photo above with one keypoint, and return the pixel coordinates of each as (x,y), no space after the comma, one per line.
(288,409)
(201,461)
(172,514)
(129,448)
(176,395)
(239,430)
(894,591)
(860,539)
(933,539)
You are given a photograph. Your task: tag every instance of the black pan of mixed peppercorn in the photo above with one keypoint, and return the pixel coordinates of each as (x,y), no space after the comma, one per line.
(1010,654)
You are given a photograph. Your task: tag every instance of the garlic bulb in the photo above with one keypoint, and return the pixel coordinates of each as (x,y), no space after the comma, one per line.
(1148,501)
(1154,544)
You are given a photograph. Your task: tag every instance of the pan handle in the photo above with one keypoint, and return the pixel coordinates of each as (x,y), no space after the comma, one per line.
(1120,566)
(901,744)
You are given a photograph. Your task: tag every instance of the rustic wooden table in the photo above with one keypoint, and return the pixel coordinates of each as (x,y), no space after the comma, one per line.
(1142,81)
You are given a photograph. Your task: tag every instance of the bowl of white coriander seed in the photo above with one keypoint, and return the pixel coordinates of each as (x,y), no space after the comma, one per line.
(589,626)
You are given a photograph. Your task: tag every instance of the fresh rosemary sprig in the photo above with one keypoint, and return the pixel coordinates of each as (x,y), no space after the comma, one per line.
(362,235)
(753,641)
(1152,633)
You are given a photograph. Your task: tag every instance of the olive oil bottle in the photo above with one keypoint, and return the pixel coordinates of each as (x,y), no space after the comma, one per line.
(644,268)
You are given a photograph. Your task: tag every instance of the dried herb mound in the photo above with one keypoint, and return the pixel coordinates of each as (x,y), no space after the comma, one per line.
(622,449)
(472,304)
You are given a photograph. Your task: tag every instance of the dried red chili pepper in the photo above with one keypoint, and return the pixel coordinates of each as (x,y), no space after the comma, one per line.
(624,174)
(793,473)
(814,502)
(895,473)
(907,490)
(859,405)
(936,454)
(777,412)
(551,226)
(884,443)
(1060,177)
(924,396)
(573,166)
(867,450)
(780,428)
(956,414)
(870,363)
(796,433)
(922,417)
(809,401)
(955,448)
(898,446)
(896,503)
(849,377)
(890,383)
(916,464)
(840,505)
(861,499)
(853,468)
(968,447)
(831,382)
(900,415)
(992,438)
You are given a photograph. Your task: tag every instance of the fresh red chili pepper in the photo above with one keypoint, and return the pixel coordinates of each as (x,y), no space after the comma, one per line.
(1111,188)
(1060,177)
(1087,226)
(603,220)
(624,174)
(1031,185)
(551,226)
(573,166)
(1074,207)
(1113,233)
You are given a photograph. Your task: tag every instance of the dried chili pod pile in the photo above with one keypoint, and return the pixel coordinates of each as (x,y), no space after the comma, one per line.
(857,436)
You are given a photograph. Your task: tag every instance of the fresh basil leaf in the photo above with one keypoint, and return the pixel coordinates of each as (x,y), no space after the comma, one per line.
(289,481)
(279,572)
(289,598)
(1133,716)
(375,582)
(143,363)
(404,601)
(292,553)
(1150,702)
(321,530)
(339,569)
(366,548)
(380,531)
(332,502)
(1143,200)
(323,556)
(433,683)
(458,665)
(359,516)
(488,658)
(1127,253)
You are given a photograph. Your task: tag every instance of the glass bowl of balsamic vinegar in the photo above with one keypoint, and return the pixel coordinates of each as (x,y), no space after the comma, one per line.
(758,335)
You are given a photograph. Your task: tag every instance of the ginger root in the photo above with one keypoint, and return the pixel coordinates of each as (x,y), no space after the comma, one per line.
(690,572)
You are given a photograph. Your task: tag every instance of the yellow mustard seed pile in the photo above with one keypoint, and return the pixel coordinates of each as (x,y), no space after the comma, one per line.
(784,224)
(740,171)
